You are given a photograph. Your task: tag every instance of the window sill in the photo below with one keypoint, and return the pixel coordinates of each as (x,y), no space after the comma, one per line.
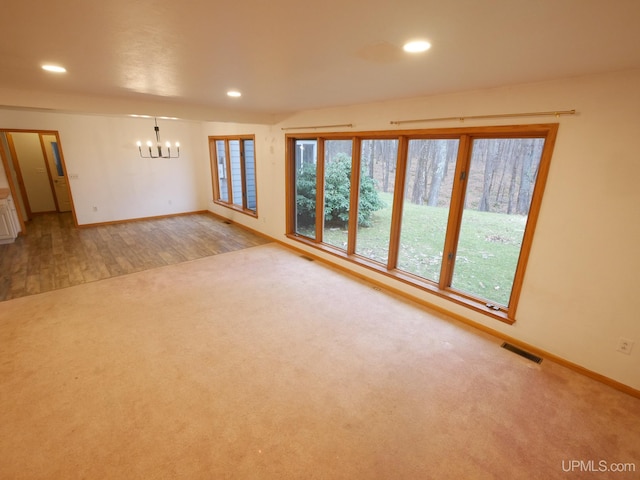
(236,208)
(406,278)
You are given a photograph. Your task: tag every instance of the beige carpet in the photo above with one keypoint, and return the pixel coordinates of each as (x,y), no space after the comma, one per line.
(259,364)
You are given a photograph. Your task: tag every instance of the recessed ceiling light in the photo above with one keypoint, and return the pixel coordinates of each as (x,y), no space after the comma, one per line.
(234,93)
(416,46)
(54,68)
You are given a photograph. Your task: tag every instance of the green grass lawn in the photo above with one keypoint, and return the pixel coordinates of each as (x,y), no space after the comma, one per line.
(488,249)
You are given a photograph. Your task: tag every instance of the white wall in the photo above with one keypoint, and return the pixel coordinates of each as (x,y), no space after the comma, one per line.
(106,171)
(581,290)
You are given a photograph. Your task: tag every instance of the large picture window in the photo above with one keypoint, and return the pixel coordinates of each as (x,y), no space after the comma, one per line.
(233,171)
(452,211)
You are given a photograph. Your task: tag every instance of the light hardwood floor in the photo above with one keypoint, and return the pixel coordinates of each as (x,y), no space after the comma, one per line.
(55,254)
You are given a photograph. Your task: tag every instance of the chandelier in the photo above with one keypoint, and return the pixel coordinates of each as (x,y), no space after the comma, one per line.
(157,151)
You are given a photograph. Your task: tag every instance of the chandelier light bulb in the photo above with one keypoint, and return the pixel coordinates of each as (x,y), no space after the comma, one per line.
(157,151)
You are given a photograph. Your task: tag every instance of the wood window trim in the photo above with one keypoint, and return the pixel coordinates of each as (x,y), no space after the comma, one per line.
(353,204)
(213,161)
(320,188)
(465,137)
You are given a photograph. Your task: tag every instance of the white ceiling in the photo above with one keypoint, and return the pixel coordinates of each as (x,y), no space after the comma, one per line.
(170,56)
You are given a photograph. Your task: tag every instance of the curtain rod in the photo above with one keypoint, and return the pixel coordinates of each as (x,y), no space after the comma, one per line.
(501,115)
(348,125)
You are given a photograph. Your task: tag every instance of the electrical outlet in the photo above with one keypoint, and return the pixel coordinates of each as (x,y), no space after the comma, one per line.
(625,345)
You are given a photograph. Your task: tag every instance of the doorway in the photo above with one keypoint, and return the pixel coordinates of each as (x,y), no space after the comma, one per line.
(36,173)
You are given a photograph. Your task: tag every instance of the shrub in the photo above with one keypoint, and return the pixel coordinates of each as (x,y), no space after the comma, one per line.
(337,188)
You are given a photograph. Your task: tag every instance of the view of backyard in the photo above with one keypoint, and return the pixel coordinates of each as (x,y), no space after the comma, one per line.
(500,176)
(485,260)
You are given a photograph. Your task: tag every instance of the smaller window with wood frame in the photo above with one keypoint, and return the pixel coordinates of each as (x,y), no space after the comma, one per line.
(233,172)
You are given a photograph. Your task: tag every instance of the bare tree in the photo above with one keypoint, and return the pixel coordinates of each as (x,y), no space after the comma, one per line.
(440,162)
(491,154)
(515,167)
(418,193)
(532,150)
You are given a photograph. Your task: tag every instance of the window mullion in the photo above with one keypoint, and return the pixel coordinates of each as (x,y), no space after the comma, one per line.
(227,152)
(455,212)
(213,161)
(398,198)
(243,175)
(290,147)
(320,190)
(353,200)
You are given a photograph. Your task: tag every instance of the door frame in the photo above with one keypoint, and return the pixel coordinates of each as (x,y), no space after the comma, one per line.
(19,194)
